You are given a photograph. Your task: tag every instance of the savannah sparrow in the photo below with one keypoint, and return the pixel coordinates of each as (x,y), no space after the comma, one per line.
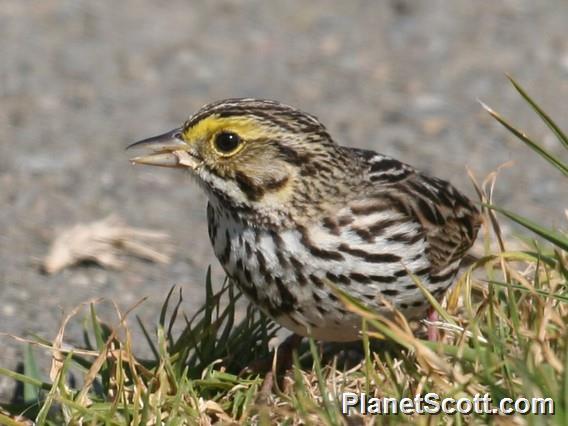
(290,211)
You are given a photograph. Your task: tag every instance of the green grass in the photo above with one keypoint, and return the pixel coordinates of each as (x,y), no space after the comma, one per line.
(503,332)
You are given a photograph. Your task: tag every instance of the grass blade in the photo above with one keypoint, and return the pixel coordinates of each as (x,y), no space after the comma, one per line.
(548,121)
(164,310)
(555,237)
(31,392)
(533,145)
(148,338)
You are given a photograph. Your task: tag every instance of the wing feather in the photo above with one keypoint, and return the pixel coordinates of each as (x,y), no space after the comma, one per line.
(450,221)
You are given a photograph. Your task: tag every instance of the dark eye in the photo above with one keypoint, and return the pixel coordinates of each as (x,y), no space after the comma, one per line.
(227,142)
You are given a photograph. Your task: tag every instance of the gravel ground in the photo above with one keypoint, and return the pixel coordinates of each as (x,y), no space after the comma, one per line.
(79,80)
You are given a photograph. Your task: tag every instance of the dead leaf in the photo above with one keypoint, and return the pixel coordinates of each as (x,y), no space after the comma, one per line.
(105,242)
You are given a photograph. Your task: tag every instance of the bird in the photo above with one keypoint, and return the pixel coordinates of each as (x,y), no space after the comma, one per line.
(292,214)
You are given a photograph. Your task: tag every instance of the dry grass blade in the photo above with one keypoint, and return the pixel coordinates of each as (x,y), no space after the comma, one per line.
(57,355)
(13,420)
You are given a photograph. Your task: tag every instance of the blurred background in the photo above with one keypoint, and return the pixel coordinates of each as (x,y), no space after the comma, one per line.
(79,80)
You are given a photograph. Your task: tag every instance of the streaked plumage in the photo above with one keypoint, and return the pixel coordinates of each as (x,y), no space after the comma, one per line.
(289,211)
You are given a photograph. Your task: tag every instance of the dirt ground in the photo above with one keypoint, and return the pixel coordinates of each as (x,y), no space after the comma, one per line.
(79,80)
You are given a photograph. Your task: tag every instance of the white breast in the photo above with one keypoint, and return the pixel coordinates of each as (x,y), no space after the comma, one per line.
(287,273)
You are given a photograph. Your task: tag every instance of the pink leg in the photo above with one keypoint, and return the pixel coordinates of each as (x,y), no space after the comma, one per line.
(432,331)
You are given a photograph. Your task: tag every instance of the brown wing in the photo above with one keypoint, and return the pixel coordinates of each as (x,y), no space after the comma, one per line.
(449,219)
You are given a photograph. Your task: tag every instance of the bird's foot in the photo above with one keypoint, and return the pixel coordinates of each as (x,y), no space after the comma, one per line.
(276,365)
(432,331)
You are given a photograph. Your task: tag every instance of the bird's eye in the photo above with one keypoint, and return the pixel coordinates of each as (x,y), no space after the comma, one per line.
(227,142)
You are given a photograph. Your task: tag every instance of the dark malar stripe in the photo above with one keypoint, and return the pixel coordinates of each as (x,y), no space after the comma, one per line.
(253,191)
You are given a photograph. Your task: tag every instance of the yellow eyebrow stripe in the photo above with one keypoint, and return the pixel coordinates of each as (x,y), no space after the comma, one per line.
(245,127)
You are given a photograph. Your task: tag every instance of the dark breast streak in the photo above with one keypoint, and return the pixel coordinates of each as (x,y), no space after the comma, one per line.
(299,284)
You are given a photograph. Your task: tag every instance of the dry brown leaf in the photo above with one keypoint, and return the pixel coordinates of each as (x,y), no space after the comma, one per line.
(105,242)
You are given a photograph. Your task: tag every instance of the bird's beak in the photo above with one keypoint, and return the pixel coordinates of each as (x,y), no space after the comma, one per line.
(164,150)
